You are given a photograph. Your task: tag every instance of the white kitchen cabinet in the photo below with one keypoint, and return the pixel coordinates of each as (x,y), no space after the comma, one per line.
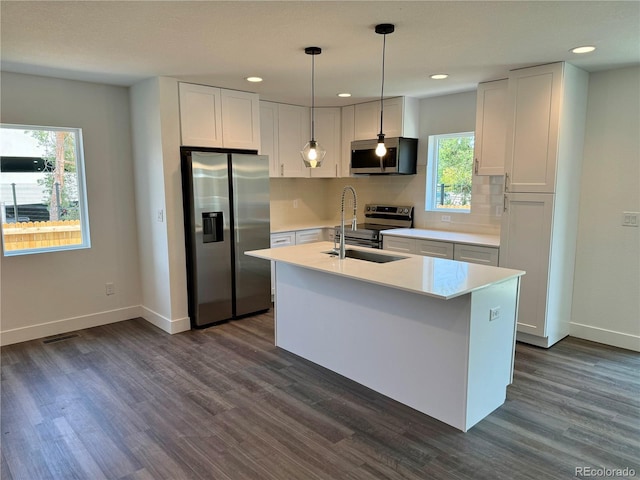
(398,244)
(476,254)
(293,133)
(451,250)
(282,239)
(401,116)
(269,136)
(214,117)
(347,127)
(432,248)
(539,226)
(327,133)
(286,129)
(526,242)
(240,120)
(200,115)
(309,236)
(535,96)
(491,128)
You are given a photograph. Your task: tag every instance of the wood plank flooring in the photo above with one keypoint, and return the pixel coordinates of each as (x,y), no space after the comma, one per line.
(128,401)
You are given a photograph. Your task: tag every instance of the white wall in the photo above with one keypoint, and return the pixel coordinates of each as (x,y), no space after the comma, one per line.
(49,293)
(156,147)
(606,300)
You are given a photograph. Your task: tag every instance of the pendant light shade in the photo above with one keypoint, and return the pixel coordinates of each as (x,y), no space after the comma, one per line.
(383,29)
(313,153)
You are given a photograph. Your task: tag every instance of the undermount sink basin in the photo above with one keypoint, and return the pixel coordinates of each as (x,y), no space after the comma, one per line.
(367,256)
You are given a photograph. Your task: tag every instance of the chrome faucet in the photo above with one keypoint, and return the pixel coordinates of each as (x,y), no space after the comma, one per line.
(354,222)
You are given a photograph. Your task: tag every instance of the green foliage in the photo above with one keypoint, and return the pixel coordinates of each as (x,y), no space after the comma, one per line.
(455,168)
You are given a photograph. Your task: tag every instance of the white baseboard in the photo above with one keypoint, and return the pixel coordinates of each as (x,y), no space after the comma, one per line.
(32,332)
(608,337)
(164,323)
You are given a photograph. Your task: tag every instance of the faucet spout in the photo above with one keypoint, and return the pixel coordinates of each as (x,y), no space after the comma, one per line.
(354,222)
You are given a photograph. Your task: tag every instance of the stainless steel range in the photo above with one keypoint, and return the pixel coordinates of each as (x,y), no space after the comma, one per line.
(377,218)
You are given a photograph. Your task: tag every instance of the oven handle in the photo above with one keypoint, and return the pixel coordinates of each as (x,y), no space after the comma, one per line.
(363,243)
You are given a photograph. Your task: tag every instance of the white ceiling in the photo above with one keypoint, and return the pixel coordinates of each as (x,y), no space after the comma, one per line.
(221,43)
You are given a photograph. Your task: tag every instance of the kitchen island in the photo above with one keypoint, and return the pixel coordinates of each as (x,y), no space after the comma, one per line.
(434,334)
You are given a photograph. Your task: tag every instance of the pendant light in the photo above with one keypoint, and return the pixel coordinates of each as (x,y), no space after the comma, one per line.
(313,153)
(383,29)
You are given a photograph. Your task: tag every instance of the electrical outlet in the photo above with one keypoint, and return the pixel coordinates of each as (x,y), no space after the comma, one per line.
(630,219)
(110,288)
(446,218)
(160,215)
(295,203)
(494,313)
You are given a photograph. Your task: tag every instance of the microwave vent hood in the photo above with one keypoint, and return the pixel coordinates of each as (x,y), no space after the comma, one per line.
(401,157)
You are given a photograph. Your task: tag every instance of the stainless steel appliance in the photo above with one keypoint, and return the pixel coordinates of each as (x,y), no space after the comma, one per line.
(378,218)
(226,212)
(400,159)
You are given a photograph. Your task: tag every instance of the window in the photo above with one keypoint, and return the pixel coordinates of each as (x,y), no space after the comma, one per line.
(42,190)
(449,172)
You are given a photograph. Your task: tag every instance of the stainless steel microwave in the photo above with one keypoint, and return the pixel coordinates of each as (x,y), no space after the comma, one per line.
(401,157)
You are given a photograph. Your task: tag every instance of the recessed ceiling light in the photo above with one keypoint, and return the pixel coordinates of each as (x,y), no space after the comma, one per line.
(344,95)
(584,49)
(254,79)
(439,76)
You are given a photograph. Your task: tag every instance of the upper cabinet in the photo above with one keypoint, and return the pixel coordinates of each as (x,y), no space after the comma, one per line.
(327,133)
(542,102)
(491,128)
(293,132)
(240,119)
(214,117)
(200,115)
(347,126)
(285,130)
(400,118)
(269,136)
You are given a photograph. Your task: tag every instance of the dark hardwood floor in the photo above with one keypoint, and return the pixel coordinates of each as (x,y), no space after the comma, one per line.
(127,401)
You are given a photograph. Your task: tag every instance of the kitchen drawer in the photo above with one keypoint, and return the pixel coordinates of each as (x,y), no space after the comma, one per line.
(476,254)
(434,249)
(283,239)
(398,244)
(309,236)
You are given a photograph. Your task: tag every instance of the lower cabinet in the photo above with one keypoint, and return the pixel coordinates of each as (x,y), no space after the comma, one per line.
(449,250)
(295,237)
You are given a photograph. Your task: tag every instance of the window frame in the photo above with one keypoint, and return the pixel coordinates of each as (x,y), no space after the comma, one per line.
(432,173)
(83,204)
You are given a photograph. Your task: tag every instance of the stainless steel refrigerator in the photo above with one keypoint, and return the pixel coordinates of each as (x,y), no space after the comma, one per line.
(226,212)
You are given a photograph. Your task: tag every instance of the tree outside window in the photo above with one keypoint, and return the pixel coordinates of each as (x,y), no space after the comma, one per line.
(450,172)
(42,194)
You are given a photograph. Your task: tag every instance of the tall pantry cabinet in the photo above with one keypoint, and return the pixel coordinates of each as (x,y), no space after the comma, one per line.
(545,138)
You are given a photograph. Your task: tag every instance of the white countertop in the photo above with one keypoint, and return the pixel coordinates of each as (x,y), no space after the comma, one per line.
(303,226)
(483,239)
(435,277)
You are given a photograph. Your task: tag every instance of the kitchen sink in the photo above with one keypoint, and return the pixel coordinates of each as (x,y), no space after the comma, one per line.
(367,256)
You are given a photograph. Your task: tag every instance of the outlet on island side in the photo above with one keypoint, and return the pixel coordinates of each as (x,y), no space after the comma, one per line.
(494,313)
(110,288)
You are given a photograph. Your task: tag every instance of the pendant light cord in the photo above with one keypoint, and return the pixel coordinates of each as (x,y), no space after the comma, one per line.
(313,96)
(384,44)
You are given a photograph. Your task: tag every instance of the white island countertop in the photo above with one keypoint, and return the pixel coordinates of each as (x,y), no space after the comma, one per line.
(481,239)
(434,277)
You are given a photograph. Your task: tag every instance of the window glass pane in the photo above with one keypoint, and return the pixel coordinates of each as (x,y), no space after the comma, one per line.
(450,172)
(42,194)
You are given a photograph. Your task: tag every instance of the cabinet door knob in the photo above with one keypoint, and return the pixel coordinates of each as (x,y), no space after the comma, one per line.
(506,181)
(504,203)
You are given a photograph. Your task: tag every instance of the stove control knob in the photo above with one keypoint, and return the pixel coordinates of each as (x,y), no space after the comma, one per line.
(368,208)
(406,210)
(373,208)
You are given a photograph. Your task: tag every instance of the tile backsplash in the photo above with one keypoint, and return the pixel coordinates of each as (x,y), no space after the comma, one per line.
(300,201)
